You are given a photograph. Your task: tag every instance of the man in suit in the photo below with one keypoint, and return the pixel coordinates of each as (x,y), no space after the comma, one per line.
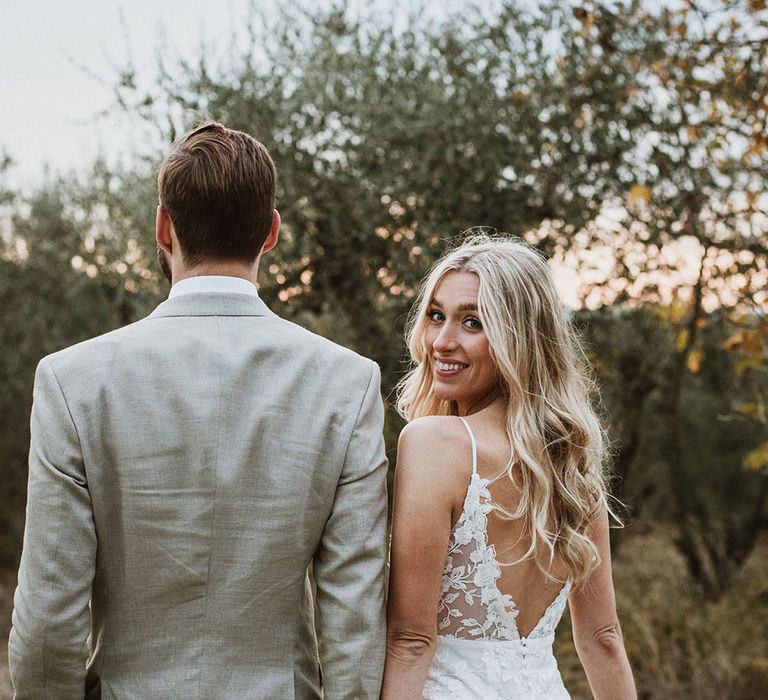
(186,470)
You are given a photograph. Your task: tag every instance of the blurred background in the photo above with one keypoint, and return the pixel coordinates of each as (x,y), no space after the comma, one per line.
(626,140)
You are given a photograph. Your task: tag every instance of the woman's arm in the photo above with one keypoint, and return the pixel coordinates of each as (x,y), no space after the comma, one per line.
(421,526)
(596,630)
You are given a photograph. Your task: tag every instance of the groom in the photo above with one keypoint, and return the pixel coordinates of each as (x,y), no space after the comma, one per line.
(186,470)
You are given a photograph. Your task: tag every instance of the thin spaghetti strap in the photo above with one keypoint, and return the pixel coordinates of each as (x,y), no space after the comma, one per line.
(474,445)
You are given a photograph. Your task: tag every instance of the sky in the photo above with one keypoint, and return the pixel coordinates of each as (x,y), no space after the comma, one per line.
(59,59)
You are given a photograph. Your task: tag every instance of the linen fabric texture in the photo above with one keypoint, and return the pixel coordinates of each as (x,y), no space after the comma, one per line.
(184,471)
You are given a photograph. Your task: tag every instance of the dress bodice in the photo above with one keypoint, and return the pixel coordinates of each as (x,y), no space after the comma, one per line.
(471,604)
(479,651)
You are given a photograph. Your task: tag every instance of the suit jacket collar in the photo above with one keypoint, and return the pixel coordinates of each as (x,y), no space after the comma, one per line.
(212,304)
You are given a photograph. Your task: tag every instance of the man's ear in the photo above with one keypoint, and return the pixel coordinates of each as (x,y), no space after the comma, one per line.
(271,240)
(163,227)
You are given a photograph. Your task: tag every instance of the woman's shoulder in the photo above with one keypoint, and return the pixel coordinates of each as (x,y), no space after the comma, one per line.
(439,440)
(435,429)
(434,462)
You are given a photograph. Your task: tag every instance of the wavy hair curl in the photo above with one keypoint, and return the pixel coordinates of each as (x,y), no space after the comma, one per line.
(558,446)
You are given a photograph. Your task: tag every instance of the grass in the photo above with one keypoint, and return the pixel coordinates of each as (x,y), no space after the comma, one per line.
(679,645)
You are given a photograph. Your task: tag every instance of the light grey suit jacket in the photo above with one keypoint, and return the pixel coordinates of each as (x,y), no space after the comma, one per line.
(184,472)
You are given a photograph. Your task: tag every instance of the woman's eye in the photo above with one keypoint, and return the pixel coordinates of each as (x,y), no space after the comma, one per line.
(473,324)
(435,316)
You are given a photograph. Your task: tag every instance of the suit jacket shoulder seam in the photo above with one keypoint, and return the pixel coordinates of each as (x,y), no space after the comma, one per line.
(46,363)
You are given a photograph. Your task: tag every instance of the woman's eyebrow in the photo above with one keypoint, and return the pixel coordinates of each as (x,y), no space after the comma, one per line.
(469,306)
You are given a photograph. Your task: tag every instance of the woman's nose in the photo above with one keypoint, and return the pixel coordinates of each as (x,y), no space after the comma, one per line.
(445,340)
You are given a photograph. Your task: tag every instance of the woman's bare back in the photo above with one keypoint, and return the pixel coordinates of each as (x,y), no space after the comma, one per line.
(521,578)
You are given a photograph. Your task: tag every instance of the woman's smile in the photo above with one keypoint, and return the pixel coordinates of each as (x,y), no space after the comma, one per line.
(449,369)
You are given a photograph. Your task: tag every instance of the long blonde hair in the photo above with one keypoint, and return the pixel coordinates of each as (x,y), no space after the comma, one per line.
(557,442)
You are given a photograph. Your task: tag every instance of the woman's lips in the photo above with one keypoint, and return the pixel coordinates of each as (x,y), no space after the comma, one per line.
(449,369)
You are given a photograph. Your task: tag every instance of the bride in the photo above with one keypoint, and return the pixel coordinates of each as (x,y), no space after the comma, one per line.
(500,513)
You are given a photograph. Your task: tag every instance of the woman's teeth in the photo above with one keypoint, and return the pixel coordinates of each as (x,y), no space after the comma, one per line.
(445,367)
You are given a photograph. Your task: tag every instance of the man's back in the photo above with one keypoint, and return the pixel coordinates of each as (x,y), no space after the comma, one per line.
(221,448)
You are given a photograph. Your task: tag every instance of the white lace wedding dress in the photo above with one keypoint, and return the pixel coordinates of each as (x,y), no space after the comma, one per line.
(479,652)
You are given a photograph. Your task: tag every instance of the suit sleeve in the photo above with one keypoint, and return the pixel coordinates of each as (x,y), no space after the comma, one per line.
(350,562)
(47,647)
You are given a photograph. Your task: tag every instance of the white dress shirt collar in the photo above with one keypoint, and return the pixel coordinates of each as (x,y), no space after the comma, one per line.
(216,284)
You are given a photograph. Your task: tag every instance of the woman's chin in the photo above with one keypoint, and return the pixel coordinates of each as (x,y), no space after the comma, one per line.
(446,394)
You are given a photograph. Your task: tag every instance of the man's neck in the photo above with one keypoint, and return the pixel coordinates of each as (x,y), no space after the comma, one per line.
(246,271)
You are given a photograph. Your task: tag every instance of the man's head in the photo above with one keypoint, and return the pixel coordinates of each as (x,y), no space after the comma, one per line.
(217,189)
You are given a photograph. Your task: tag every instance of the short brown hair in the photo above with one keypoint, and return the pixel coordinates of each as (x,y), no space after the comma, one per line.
(218,187)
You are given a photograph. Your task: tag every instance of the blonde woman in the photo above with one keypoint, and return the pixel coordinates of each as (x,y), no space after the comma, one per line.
(500,513)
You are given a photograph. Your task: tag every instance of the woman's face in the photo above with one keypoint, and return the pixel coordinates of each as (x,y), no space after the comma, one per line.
(463,369)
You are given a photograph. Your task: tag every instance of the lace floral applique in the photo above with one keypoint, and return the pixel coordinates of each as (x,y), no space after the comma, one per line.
(444,681)
(471,605)
(480,653)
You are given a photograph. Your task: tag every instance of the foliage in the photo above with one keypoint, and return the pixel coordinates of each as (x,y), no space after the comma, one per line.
(749,344)
(624,141)
(721,511)
(389,141)
(698,206)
